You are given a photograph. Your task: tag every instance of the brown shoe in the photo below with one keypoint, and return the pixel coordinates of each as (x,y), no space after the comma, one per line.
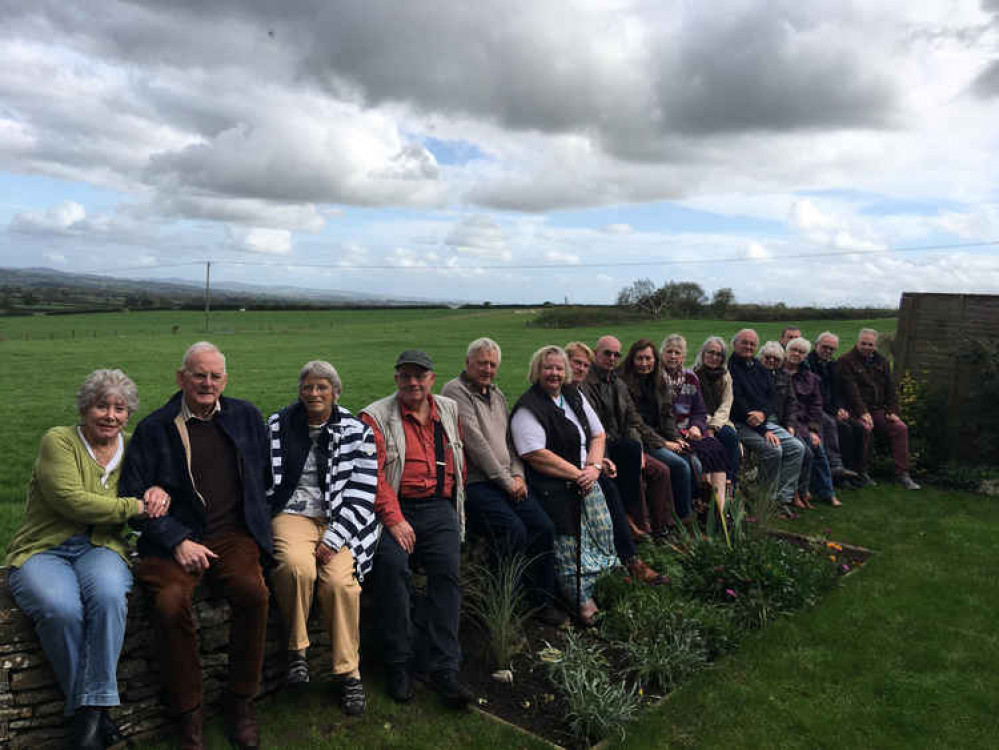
(191,724)
(642,573)
(637,533)
(241,722)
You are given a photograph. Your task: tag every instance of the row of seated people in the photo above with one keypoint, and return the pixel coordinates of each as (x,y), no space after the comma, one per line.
(592,456)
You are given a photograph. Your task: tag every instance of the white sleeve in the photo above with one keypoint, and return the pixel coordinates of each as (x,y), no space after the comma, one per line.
(528,434)
(591,416)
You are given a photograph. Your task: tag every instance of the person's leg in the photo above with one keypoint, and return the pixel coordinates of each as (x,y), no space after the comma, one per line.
(46,588)
(293,577)
(830,442)
(898,436)
(438,545)
(488,512)
(805,473)
(792,453)
(681,479)
(390,578)
(768,460)
(728,437)
(340,600)
(238,575)
(171,589)
(540,549)
(659,495)
(821,475)
(627,455)
(624,543)
(105,581)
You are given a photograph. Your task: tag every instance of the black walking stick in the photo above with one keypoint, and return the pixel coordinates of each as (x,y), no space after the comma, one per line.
(579,547)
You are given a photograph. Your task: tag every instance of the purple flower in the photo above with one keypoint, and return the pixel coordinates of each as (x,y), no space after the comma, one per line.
(731,593)
(845,567)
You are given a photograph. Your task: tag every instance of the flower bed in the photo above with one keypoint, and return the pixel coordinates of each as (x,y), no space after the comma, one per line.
(575,687)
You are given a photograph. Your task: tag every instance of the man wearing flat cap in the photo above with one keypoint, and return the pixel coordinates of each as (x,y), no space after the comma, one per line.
(420,502)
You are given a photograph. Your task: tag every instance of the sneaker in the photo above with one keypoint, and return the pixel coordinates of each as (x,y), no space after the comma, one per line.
(449,687)
(298,669)
(866,480)
(352,698)
(906,481)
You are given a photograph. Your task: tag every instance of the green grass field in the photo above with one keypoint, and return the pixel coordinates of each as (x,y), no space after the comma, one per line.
(904,654)
(46,358)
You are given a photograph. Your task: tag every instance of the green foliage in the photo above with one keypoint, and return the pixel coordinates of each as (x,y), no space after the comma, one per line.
(598,704)
(497,601)
(576,316)
(762,578)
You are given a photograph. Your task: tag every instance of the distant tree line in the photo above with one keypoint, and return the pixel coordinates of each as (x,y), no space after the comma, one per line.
(686,299)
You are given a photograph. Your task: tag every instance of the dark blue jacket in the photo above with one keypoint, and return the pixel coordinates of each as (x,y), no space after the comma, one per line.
(752,390)
(156,456)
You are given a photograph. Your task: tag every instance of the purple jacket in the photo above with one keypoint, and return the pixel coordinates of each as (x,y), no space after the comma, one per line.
(688,404)
(808,389)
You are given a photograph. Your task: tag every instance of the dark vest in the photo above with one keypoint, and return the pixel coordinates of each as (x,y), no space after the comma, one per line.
(559,497)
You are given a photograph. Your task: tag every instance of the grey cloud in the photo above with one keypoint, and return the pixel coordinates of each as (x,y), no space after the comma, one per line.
(986,85)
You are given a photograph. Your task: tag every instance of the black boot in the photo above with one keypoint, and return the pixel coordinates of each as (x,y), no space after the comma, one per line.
(109,730)
(86,733)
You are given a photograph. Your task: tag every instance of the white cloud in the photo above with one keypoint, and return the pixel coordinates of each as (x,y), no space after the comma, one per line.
(258,240)
(479,236)
(57,219)
(56,259)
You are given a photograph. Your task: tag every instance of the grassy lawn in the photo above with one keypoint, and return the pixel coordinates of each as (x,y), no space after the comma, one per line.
(903,655)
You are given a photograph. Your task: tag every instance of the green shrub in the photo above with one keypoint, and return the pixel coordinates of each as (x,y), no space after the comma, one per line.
(597,703)
(762,578)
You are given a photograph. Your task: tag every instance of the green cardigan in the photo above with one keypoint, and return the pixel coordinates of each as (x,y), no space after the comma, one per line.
(65,497)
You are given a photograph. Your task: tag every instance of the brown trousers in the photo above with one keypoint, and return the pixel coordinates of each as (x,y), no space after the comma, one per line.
(237,575)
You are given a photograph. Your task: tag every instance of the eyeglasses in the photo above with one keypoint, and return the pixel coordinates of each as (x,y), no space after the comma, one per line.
(713,353)
(204,377)
(608,353)
(771,358)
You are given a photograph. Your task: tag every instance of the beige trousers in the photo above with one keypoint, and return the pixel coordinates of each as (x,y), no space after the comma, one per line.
(293,581)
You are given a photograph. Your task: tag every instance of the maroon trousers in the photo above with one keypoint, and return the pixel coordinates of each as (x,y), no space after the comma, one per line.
(659,513)
(898,435)
(237,575)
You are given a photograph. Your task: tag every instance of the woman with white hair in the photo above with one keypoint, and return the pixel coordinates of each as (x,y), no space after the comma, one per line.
(325,475)
(68,560)
(807,422)
(771,356)
(561,440)
(716,390)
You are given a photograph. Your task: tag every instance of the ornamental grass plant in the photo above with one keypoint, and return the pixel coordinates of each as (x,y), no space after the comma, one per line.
(495,598)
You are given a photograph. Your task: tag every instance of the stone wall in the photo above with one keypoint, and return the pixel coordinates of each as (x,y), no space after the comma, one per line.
(31,704)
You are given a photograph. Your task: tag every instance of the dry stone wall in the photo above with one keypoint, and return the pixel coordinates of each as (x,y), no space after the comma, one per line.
(31,704)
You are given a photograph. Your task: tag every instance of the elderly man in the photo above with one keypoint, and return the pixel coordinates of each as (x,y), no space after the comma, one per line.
(870,395)
(754,415)
(498,505)
(842,436)
(789,333)
(420,501)
(210,453)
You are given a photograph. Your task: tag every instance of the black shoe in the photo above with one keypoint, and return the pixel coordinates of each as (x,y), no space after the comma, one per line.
(866,480)
(449,687)
(352,699)
(110,732)
(86,733)
(400,689)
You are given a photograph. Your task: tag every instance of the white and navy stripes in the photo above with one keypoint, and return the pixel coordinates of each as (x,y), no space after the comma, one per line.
(350,483)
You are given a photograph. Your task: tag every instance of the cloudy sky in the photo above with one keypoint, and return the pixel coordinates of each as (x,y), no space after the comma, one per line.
(811,152)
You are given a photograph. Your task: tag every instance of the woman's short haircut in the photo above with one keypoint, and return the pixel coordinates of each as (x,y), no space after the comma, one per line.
(674,338)
(484,344)
(800,343)
(578,347)
(719,341)
(771,348)
(538,361)
(867,332)
(320,368)
(104,384)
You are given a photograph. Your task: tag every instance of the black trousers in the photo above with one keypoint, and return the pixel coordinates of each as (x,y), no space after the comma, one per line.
(627,455)
(624,544)
(424,637)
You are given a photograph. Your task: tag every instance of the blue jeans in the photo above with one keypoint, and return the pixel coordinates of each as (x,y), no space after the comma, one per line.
(779,464)
(515,527)
(681,479)
(821,479)
(75,595)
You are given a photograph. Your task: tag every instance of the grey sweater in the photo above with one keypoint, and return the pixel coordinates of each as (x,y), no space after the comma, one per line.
(484,419)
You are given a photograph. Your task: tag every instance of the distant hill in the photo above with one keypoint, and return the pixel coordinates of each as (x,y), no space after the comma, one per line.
(27,290)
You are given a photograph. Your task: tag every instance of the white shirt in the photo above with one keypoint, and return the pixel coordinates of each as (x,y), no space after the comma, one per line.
(529,435)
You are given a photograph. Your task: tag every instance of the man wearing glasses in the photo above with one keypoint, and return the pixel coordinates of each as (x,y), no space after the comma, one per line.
(420,501)
(211,453)
(754,406)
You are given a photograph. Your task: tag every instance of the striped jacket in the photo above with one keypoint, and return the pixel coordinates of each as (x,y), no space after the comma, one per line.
(348,483)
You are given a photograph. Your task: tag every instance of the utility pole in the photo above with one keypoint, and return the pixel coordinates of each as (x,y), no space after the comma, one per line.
(208,291)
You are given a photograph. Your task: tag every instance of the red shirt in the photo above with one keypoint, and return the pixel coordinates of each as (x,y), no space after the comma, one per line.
(419,474)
